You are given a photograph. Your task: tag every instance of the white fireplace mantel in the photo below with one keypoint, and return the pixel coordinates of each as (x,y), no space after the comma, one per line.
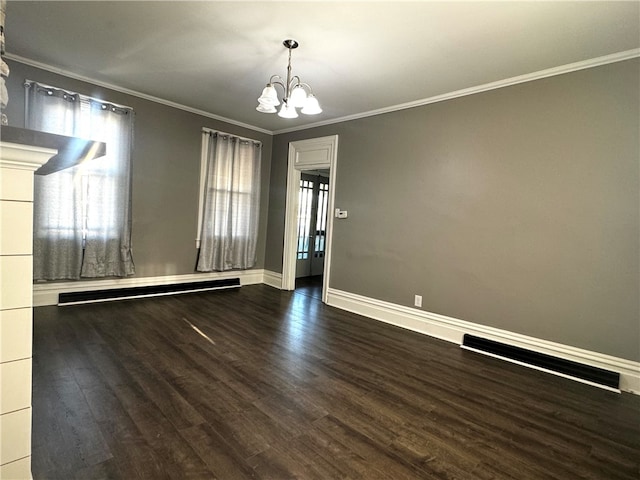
(22,153)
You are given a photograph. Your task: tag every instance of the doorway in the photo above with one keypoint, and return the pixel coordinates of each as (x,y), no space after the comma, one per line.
(313,206)
(308,222)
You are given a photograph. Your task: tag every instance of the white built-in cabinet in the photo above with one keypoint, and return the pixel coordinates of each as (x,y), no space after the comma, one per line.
(17,166)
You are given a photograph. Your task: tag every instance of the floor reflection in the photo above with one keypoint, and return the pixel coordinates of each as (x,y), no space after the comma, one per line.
(310,286)
(302,314)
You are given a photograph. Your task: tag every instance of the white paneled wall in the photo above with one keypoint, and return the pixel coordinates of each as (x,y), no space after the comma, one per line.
(17,164)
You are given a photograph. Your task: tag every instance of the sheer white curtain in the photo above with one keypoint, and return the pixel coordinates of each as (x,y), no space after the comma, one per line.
(231,203)
(82,225)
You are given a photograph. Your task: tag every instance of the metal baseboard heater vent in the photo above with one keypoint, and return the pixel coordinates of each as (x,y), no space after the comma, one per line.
(547,363)
(74,298)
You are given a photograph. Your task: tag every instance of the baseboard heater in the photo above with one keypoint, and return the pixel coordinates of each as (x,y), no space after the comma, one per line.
(547,363)
(74,298)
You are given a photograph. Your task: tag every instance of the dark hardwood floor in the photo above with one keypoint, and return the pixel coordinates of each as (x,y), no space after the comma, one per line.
(259,383)
(310,286)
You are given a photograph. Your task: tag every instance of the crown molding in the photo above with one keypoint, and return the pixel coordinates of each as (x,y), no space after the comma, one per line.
(529,77)
(134,93)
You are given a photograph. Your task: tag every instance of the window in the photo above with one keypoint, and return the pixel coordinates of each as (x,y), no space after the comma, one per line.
(82,215)
(321,218)
(229,202)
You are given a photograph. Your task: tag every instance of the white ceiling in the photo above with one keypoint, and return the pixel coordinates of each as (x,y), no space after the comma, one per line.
(357,56)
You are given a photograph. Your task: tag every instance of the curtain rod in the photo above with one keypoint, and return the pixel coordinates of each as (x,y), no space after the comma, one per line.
(246,139)
(27,83)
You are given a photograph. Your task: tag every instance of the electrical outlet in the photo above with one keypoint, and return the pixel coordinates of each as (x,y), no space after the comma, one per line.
(417,300)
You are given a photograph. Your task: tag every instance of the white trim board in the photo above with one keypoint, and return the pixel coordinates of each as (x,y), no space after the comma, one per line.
(273,279)
(47,293)
(453,329)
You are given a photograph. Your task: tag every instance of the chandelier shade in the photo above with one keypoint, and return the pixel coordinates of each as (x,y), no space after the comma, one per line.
(297,94)
(298,97)
(269,96)
(287,111)
(262,108)
(311,106)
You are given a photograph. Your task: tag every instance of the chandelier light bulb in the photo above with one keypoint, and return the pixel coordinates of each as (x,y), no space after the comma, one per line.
(287,111)
(311,106)
(269,96)
(298,97)
(262,108)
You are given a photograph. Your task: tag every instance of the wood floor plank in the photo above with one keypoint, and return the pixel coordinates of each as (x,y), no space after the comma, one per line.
(258,383)
(383,462)
(107,470)
(134,457)
(180,460)
(223,461)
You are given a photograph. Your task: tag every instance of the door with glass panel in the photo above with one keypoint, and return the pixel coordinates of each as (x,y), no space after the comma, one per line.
(313,201)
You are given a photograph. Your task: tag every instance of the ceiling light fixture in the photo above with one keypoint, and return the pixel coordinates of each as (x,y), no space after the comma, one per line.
(295,93)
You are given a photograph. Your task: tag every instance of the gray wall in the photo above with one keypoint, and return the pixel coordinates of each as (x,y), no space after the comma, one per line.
(516,208)
(166,170)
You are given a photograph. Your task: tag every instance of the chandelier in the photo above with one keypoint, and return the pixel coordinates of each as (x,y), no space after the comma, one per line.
(296,93)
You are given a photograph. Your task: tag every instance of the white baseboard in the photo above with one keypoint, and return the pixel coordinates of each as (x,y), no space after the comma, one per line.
(47,293)
(453,329)
(273,279)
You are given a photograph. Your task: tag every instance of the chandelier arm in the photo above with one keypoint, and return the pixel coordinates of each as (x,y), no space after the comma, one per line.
(295,79)
(280,84)
(302,84)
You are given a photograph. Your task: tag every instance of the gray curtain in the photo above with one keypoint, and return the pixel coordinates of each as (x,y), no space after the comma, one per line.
(231,203)
(82,215)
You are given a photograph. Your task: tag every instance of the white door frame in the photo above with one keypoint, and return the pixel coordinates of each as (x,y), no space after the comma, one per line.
(311,154)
